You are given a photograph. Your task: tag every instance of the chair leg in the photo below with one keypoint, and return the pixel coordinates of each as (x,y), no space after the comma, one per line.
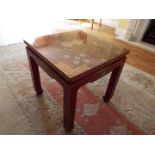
(92,24)
(80,21)
(100,23)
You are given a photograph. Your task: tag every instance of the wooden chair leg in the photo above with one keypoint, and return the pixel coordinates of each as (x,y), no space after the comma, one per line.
(92,24)
(80,21)
(100,23)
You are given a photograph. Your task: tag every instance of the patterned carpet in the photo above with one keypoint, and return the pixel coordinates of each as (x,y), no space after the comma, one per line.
(131,110)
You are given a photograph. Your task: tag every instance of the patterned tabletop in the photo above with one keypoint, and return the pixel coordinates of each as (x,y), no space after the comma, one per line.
(75,52)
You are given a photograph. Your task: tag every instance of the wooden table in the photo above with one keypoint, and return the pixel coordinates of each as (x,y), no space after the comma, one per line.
(74,58)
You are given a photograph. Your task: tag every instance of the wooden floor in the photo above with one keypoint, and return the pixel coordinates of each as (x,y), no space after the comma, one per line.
(138,57)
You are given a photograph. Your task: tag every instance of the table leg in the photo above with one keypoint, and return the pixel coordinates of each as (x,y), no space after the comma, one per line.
(113,83)
(70,95)
(35,74)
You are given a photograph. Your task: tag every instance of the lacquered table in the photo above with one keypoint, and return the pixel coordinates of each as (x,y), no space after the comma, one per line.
(73,59)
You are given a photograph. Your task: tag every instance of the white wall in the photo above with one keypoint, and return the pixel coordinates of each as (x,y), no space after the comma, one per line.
(23,18)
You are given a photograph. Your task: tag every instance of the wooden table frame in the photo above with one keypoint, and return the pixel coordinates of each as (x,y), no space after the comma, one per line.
(71,88)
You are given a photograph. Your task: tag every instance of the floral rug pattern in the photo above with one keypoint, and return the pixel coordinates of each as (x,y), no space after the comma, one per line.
(131,110)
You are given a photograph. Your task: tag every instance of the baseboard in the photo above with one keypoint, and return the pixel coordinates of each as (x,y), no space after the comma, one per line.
(121,32)
(137,45)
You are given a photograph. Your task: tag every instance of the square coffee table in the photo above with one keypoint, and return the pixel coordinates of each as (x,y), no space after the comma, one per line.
(74,58)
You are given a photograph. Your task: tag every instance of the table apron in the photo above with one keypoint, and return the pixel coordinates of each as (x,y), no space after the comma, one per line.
(51,72)
(100,73)
(88,78)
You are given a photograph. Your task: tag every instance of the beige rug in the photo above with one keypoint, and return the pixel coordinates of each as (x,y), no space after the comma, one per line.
(24,113)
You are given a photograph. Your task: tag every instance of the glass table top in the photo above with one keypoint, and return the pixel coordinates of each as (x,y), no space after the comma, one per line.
(75,52)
